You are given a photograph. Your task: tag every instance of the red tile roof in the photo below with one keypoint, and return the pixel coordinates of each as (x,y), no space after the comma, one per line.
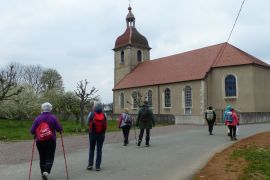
(187,66)
(131,37)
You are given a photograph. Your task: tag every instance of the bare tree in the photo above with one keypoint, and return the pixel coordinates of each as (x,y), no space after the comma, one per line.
(32,77)
(85,96)
(8,84)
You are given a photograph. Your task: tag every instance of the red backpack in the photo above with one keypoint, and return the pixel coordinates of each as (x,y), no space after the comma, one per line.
(43,132)
(99,125)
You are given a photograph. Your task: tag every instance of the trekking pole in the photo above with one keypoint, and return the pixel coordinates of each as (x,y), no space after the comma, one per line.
(64,154)
(33,148)
(114,135)
(135,135)
(134,125)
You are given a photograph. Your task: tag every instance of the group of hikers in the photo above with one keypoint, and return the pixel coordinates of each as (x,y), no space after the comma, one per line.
(230,119)
(46,125)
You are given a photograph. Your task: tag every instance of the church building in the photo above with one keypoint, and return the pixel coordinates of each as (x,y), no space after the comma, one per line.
(184,85)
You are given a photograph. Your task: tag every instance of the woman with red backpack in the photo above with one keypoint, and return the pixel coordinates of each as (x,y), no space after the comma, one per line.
(232,120)
(97,122)
(44,129)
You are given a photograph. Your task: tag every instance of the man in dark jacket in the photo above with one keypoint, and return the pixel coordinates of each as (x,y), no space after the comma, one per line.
(210,117)
(145,120)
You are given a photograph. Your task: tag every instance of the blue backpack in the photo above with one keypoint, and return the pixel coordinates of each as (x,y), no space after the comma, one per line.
(229,117)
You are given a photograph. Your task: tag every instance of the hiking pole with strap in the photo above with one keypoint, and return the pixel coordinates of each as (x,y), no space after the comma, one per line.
(64,154)
(135,134)
(33,148)
(134,125)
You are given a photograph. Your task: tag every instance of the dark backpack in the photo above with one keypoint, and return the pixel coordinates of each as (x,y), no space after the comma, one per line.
(99,123)
(127,119)
(43,132)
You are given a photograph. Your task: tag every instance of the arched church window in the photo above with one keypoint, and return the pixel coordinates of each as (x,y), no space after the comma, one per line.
(122,56)
(139,56)
(135,99)
(188,100)
(230,85)
(149,98)
(167,97)
(122,100)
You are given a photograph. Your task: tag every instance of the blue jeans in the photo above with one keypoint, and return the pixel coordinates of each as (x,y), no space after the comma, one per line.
(95,140)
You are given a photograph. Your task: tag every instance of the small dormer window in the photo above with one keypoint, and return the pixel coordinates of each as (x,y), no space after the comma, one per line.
(139,56)
(122,56)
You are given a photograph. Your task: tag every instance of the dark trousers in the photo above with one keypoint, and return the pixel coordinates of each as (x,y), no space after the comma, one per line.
(147,137)
(95,140)
(46,151)
(210,126)
(232,131)
(126,130)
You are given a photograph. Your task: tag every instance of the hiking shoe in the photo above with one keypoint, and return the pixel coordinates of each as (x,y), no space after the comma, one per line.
(235,139)
(147,145)
(98,169)
(139,143)
(45,175)
(89,167)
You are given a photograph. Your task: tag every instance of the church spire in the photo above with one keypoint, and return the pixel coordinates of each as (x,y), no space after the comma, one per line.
(130,19)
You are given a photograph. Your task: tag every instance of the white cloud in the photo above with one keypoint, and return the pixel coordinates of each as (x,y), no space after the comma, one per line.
(76,37)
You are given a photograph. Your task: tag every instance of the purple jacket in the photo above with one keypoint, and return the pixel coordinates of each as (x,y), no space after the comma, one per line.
(50,119)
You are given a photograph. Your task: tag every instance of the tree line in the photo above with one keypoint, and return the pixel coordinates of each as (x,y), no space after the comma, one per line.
(23,88)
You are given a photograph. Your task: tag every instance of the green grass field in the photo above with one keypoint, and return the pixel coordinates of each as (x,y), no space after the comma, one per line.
(13,130)
(259,162)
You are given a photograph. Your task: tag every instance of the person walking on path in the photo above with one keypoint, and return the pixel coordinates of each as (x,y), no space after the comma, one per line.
(227,109)
(210,117)
(44,129)
(97,127)
(145,121)
(125,121)
(231,120)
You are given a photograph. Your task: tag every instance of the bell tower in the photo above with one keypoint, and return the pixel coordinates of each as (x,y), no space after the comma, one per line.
(131,49)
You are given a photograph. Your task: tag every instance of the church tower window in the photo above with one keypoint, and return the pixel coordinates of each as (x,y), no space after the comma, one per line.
(122,56)
(122,100)
(139,56)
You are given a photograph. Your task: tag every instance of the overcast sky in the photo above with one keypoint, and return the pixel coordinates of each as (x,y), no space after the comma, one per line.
(76,37)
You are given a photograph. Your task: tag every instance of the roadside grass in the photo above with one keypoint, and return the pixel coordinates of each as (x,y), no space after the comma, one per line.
(258,159)
(14,130)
